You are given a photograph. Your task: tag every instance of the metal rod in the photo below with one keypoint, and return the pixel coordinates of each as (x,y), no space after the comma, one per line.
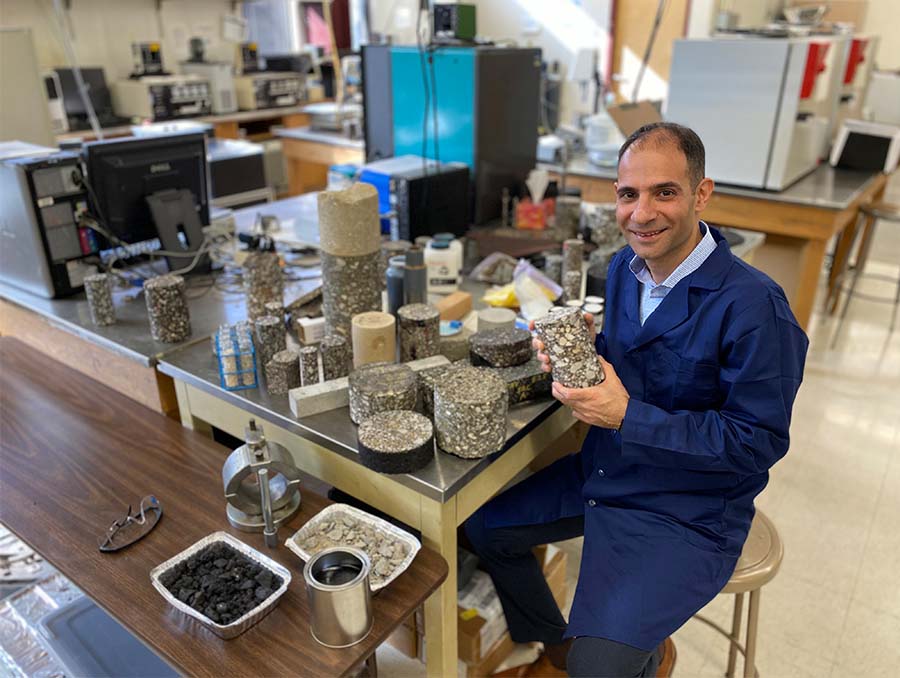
(270,533)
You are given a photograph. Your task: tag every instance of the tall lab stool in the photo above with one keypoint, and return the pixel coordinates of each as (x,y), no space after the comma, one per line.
(875,211)
(757,566)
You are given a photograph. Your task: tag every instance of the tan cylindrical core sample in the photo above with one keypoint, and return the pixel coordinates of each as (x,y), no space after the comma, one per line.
(374,338)
(350,241)
(496,319)
(348,221)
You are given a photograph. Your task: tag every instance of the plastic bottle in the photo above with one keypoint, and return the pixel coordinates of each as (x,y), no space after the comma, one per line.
(443,267)
(455,246)
(396,272)
(415,280)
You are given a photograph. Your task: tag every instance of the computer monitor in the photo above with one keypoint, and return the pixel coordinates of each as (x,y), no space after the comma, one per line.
(151,187)
(98,92)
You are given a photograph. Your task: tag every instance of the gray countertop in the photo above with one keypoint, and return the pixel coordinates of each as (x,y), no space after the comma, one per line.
(826,186)
(210,305)
(333,430)
(330,138)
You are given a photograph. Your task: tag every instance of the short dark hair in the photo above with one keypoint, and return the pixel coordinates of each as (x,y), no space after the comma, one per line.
(683,137)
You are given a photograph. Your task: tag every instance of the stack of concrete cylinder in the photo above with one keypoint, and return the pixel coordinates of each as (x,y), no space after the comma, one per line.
(350,247)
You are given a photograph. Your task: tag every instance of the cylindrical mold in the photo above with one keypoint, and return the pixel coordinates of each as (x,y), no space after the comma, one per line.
(399,441)
(553,267)
(470,408)
(335,357)
(389,250)
(309,365)
(420,331)
(270,338)
(381,387)
(350,249)
(570,346)
(263,283)
(415,280)
(99,298)
(500,348)
(572,253)
(568,216)
(283,372)
(572,285)
(374,338)
(340,600)
(396,272)
(167,308)
(496,319)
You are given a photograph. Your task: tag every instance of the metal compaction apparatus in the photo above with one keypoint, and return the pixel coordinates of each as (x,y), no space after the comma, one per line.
(261,485)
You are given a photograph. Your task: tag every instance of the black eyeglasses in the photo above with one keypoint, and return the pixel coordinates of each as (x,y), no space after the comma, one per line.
(134,526)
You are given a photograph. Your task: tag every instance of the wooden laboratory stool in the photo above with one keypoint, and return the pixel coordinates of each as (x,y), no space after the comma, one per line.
(872,212)
(757,566)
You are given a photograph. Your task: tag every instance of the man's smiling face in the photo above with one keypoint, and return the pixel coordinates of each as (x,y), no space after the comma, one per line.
(656,205)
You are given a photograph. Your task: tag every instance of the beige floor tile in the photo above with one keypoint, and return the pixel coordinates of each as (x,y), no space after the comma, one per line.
(869,645)
(877,584)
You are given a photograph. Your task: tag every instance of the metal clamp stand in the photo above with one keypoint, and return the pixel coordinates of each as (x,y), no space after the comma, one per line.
(261,485)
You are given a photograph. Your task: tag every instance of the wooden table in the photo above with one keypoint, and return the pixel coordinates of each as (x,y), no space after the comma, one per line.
(309,153)
(73,454)
(798,222)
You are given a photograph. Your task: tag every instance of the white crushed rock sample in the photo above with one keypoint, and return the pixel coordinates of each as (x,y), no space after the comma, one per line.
(167,308)
(572,285)
(335,357)
(419,330)
(500,348)
(99,297)
(270,338)
(263,283)
(470,408)
(350,248)
(573,255)
(399,441)
(570,346)
(309,365)
(283,372)
(380,387)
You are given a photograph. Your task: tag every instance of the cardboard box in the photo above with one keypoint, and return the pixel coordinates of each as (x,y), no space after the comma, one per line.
(482,658)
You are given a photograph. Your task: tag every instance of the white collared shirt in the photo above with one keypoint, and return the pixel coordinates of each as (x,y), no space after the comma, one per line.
(652,293)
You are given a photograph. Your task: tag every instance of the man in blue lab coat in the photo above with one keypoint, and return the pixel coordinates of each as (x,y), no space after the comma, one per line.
(703,359)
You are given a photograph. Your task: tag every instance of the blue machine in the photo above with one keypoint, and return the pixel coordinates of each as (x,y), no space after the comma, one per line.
(486,101)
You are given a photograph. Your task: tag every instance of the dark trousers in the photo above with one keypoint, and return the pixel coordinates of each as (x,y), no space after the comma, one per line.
(531,612)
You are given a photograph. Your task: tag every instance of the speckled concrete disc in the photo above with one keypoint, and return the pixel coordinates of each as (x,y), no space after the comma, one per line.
(398,441)
(525,382)
(570,347)
(500,348)
(470,408)
(419,330)
(380,387)
(429,378)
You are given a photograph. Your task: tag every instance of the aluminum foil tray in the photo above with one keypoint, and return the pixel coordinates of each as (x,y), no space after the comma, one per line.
(335,511)
(238,626)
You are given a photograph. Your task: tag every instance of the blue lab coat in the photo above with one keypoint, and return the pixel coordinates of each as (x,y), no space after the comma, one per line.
(668,500)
